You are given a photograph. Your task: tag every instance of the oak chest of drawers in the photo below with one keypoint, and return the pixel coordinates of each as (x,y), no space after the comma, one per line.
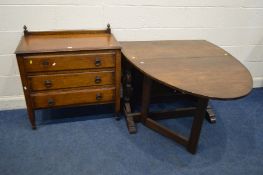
(69,68)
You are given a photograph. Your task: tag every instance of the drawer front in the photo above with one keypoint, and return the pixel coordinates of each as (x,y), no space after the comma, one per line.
(68,62)
(64,98)
(71,80)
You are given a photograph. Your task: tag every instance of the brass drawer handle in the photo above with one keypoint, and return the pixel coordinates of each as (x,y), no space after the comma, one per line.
(97,80)
(98,96)
(51,102)
(97,62)
(48,83)
(45,63)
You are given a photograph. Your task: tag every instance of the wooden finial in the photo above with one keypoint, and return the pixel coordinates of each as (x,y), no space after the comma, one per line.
(25,30)
(108,28)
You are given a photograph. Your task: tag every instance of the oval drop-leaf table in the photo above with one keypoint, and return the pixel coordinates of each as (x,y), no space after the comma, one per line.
(194,67)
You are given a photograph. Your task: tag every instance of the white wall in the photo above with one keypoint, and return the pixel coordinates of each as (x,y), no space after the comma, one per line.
(235,25)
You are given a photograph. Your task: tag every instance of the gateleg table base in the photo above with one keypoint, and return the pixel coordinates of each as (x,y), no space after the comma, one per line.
(149,119)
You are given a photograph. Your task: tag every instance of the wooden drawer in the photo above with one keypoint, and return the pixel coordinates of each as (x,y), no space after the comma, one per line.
(44,63)
(70,80)
(64,98)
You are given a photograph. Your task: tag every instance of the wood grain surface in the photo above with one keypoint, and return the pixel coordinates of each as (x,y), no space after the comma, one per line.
(63,98)
(196,67)
(66,42)
(69,61)
(71,80)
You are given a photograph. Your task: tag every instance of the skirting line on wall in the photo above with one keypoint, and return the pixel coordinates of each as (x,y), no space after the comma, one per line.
(257,82)
(18,102)
(12,102)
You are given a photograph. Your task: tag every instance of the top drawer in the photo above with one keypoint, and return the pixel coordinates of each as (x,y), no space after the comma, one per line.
(68,62)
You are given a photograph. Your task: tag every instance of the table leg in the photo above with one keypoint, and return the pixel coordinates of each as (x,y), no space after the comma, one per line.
(146,95)
(197,125)
(210,115)
(127,93)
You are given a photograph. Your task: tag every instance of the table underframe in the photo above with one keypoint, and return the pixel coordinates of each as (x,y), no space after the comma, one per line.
(200,111)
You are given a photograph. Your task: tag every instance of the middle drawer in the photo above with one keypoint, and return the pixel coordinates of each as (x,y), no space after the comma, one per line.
(70,80)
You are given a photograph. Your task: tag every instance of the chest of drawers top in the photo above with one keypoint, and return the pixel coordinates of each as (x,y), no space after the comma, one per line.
(65,41)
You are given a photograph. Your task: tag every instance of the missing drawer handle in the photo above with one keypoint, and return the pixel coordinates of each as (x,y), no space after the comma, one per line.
(97,62)
(98,79)
(48,83)
(98,96)
(51,102)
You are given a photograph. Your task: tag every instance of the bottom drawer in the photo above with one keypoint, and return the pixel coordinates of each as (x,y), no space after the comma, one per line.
(64,98)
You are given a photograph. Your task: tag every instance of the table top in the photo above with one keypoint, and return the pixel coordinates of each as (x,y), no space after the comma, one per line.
(61,41)
(197,67)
